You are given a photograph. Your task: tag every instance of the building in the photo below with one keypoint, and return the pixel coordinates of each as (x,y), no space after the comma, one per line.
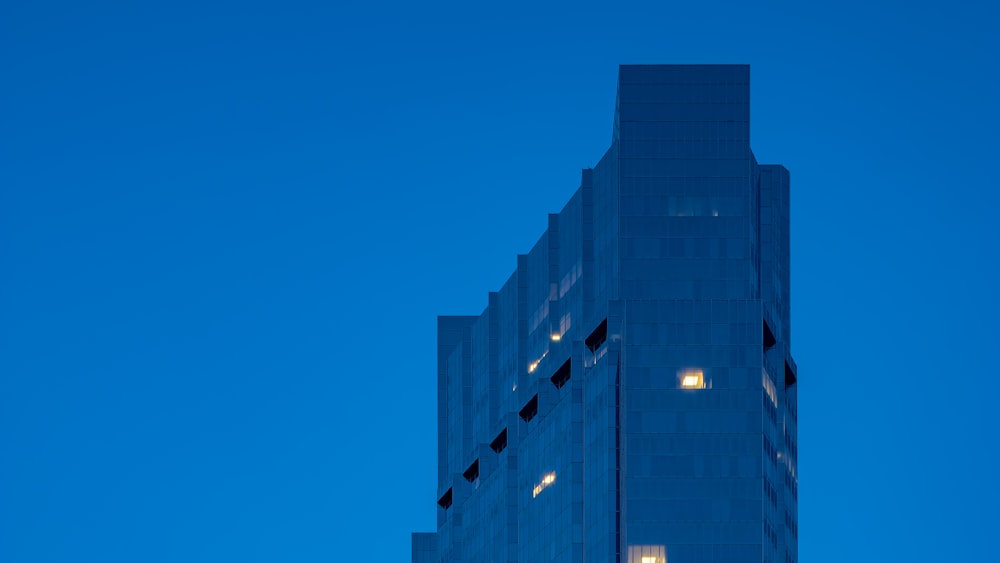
(629,394)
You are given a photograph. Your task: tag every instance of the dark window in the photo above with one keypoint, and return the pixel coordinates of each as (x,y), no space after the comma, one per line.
(530,409)
(598,337)
(561,376)
(499,443)
(769,339)
(472,473)
(789,376)
(445,500)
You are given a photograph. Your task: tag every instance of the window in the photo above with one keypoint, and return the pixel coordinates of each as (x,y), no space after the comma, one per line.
(499,443)
(561,376)
(769,339)
(530,409)
(692,378)
(598,337)
(445,500)
(547,480)
(472,473)
(790,378)
(647,554)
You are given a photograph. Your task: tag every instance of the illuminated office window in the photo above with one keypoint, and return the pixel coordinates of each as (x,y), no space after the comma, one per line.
(647,554)
(692,378)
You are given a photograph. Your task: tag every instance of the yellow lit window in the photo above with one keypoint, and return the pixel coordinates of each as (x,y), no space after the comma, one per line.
(647,554)
(692,379)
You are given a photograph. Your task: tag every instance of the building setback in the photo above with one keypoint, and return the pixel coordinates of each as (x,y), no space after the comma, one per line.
(629,394)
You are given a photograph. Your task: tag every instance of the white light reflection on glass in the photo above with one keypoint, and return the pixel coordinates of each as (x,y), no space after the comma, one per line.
(772,393)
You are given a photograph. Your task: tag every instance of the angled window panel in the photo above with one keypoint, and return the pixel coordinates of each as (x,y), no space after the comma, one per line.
(598,337)
(561,376)
(472,473)
(769,339)
(499,443)
(530,409)
(445,500)
(790,378)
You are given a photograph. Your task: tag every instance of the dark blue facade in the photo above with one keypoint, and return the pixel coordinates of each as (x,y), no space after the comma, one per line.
(629,394)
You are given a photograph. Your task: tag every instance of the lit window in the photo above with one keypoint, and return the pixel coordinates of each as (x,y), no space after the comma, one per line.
(692,379)
(547,480)
(556,337)
(534,365)
(647,554)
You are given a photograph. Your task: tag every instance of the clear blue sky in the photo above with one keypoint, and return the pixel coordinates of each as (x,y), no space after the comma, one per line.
(226,230)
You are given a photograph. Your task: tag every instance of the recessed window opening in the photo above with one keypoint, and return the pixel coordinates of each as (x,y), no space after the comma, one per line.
(530,409)
(598,337)
(790,378)
(769,339)
(472,473)
(499,443)
(561,376)
(445,500)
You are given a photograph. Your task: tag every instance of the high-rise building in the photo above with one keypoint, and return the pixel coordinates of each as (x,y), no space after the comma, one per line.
(628,395)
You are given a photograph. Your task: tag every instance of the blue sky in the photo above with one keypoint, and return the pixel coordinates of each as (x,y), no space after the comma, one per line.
(226,230)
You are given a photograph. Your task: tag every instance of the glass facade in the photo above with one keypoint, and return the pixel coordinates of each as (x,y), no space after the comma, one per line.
(629,394)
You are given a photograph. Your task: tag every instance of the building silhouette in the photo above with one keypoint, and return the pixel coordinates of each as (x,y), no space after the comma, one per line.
(629,395)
